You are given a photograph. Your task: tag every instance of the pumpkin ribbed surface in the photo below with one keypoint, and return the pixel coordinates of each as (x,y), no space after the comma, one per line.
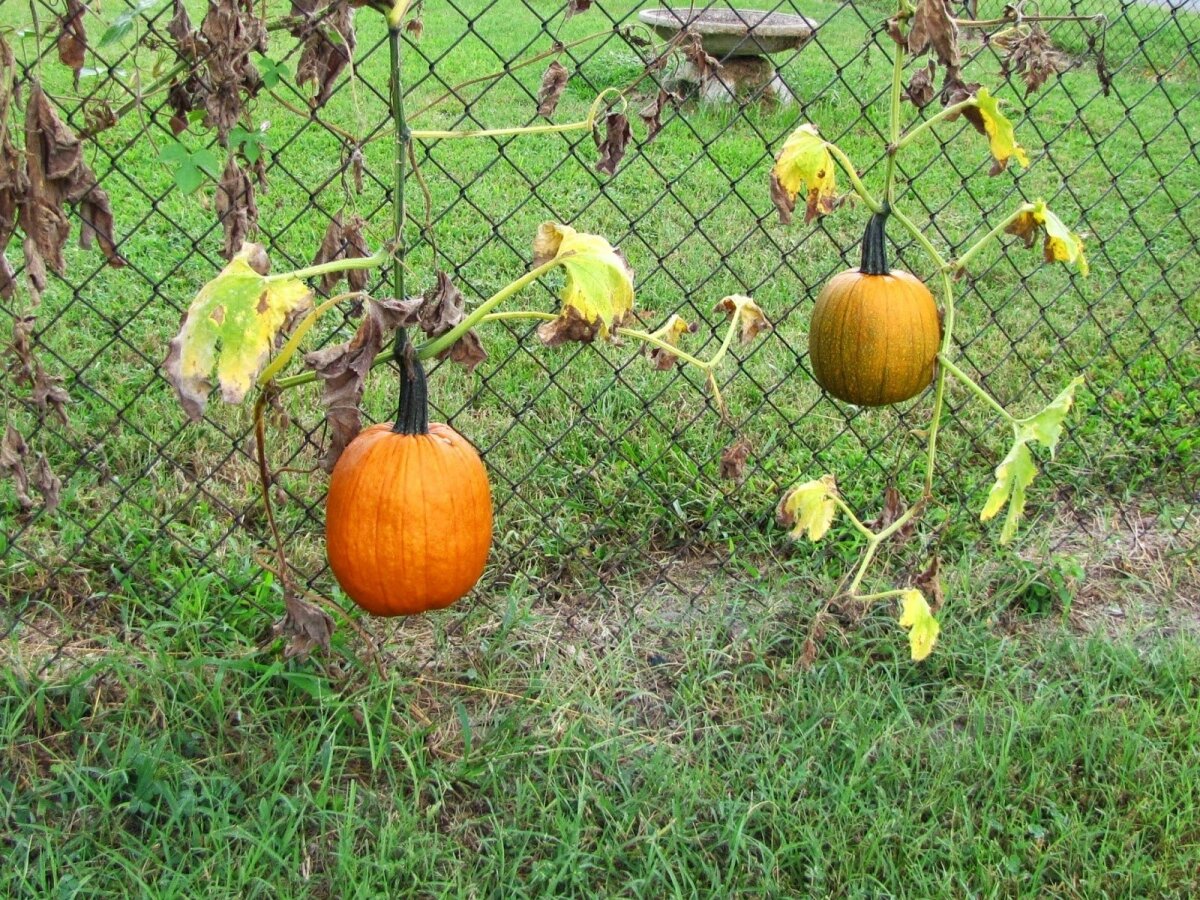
(408,519)
(874,338)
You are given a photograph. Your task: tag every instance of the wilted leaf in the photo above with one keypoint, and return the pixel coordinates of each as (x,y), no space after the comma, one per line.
(985,115)
(612,148)
(236,209)
(920,87)
(46,483)
(693,51)
(733,460)
(1045,426)
(923,628)
(896,31)
(442,309)
(893,508)
(554,81)
(752,319)
(575,7)
(72,38)
(231,325)
(229,33)
(932,26)
(804,163)
(48,394)
(809,508)
(55,173)
(1061,244)
(1013,476)
(598,293)
(328,38)
(343,241)
(671,333)
(929,583)
(303,627)
(652,112)
(343,368)
(13,451)
(1029,52)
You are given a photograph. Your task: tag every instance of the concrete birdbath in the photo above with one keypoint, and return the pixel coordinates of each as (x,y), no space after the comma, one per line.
(743,40)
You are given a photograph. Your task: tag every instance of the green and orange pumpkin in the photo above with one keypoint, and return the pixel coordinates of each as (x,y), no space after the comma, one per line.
(408,518)
(875,332)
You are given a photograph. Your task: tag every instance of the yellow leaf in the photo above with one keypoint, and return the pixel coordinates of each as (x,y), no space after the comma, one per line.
(598,293)
(1013,476)
(804,164)
(923,628)
(809,507)
(1001,138)
(751,317)
(231,324)
(1061,244)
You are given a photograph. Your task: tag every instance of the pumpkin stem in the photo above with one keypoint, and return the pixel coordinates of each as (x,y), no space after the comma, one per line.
(874,254)
(413,415)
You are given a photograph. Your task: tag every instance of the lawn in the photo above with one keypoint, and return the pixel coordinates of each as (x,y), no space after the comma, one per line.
(640,698)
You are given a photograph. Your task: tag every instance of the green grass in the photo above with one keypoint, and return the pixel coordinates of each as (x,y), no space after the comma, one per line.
(627,711)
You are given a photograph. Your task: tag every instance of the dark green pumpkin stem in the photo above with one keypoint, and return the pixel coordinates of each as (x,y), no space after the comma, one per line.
(413,415)
(874,253)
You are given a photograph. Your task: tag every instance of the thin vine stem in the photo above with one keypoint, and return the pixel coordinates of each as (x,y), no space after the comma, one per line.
(977,390)
(859,188)
(949,112)
(962,261)
(336,265)
(889,178)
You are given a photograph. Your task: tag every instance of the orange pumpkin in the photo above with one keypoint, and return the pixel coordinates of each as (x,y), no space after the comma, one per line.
(875,332)
(408,518)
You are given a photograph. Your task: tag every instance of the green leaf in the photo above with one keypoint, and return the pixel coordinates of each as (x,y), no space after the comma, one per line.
(809,508)
(231,326)
(598,292)
(923,628)
(123,23)
(804,164)
(1001,137)
(251,143)
(272,72)
(1045,426)
(1013,476)
(1061,244)
(189,167)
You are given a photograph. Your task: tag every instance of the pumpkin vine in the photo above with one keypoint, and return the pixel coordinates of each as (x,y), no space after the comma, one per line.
(874,336)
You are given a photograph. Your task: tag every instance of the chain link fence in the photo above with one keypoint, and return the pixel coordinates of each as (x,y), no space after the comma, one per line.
(613,520)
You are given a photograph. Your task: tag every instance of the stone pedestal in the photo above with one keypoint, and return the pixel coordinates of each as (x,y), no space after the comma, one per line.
(742,79)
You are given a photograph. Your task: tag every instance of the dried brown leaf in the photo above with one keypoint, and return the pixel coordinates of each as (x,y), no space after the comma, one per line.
(693,51)
(415,27)
(933,28)
(784,202)
(1030,53)
(328,38)
(733,459)
(304,627)
(929,583)
(230,32)
(442,309)
(236,209)
(894,506)
(343,368)
(46,483)
(48,393)
(570,326)
(343,241)
(72,38)
(919,91)
(652,112)
(575,7)
(554,81)
(616,139)
(13,451)
(896,31)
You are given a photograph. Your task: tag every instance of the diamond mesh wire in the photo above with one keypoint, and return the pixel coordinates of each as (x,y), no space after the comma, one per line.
(610,511)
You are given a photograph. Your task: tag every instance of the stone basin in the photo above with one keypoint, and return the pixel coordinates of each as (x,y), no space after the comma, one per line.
(733,32)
